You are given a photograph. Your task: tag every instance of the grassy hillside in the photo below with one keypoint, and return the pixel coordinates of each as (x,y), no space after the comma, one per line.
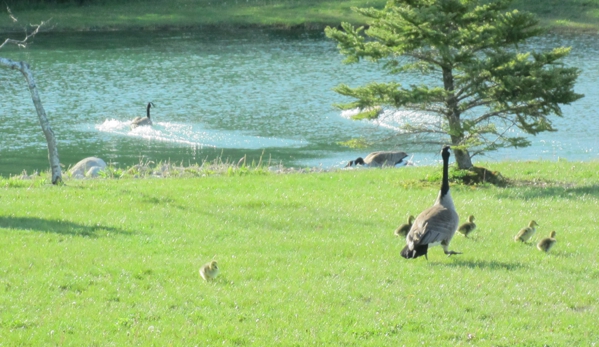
(157,14)
(304,258)
(568,15)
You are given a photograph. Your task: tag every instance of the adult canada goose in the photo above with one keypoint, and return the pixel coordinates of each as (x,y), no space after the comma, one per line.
(404,228)
(139,121)
(209,271)
(526,233)
(546,243)
(467,227)
(378,159)
(435,225)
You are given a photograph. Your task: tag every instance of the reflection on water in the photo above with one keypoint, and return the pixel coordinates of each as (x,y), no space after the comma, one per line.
(230,93)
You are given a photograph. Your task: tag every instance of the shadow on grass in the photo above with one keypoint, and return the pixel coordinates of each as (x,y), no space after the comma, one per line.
(482,264)
(546,192)
(58,227)
(160,201)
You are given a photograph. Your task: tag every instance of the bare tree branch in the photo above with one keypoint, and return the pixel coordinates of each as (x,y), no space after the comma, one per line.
(24,68)
(14,19)
(23,43)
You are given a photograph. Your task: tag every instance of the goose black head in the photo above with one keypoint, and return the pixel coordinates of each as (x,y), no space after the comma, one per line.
(445,152)
(355,162)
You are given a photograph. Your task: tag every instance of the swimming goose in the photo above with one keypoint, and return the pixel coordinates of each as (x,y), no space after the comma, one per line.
(209,271)
(468,227)
(139,121)
(404,228)
(546,243)
(526,233)
(379,159)
(435,225)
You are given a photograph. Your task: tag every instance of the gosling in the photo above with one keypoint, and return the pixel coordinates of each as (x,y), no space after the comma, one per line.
(403,229)
(546,243)
(209,271)
(468,227)
(526,233)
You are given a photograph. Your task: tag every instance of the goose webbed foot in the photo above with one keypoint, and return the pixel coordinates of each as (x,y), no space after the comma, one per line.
(450,253)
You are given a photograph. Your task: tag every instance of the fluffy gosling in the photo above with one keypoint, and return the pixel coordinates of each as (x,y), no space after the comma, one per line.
(526,233)
(209,271)
(403,229)
(546,243)
(468,227)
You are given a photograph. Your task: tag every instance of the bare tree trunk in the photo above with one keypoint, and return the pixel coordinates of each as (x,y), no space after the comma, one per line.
(462,158)
(41,113)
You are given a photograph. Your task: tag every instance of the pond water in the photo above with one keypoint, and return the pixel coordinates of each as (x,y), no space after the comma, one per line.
(260,93)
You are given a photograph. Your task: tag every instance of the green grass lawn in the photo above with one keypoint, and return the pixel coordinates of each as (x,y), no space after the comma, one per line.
(305,259)
(578,15)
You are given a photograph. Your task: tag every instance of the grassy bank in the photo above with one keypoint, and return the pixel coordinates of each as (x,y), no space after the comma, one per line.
(304,258)
(578,15)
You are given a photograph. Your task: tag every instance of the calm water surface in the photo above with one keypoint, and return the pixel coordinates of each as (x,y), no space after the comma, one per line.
(229,94)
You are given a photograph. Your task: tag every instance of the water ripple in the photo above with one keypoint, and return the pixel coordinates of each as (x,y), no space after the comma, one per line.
(193,135)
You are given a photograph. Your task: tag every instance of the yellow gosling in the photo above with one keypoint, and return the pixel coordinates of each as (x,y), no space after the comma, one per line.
(403,229)
(526,233)
(209,271)
(468,227)
(547,243)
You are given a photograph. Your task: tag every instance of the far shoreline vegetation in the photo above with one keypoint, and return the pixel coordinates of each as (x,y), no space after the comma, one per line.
(556,16)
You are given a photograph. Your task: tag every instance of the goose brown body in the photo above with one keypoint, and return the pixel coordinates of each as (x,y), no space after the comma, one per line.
(380,159)
(435,225)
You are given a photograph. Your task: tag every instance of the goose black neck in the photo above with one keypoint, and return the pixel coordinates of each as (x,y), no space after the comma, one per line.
(148,109)
(445,182)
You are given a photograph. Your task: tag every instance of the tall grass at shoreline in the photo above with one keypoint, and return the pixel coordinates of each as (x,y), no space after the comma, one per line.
(304,259)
